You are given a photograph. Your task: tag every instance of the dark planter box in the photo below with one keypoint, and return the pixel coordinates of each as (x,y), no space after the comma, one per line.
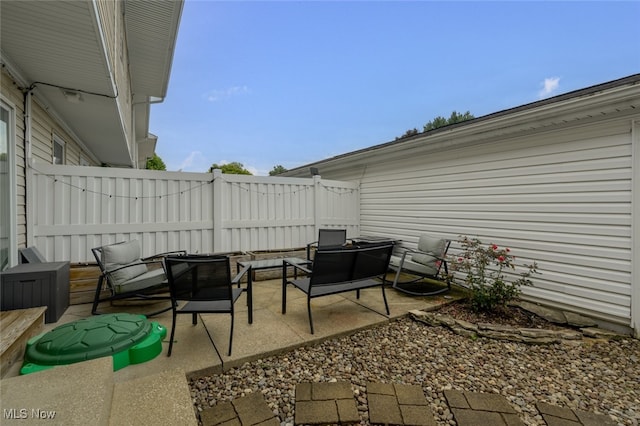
(37,284)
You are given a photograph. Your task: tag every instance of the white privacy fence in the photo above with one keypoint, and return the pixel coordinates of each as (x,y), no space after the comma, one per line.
(75,208)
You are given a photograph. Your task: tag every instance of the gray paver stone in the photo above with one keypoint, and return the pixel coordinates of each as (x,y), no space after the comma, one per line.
(489,402)
(327,391)
(536,332)
(303,391)
(578,320)
(384,409)
(252,409)
(348,411)
(476,418)
(271,422)
(600,333)
(456,399)
(417,415)
(558,421)
(592,419)
(218,414)
(546,313)
(555,411)
(380,388)
(316,412)
(410,395)
(512,420)
(233,422)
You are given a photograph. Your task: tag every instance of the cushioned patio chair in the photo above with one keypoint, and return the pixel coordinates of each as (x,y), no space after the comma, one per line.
(203,284)
(126,275)
(328,239)
(426,261)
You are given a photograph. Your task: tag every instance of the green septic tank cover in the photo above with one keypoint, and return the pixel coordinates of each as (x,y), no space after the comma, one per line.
(128,338)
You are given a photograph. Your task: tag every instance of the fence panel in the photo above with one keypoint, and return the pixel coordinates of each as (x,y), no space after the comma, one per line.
(76,208)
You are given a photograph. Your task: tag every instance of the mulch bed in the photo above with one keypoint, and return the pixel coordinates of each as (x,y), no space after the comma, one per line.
(511,315)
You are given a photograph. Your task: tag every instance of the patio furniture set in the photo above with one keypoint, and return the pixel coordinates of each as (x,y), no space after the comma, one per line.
(204,283)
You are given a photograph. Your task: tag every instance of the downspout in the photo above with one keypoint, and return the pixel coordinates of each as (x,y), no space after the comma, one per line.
(28,171)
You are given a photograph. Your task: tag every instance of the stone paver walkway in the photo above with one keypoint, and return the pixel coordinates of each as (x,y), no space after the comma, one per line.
(474,408)
(559,416)
(324,403)
(389,404)
(397,404)
(249,410)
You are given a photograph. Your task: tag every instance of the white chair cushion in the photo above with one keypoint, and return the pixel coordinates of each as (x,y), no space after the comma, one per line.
(432,245)
(118,255)
(147,279)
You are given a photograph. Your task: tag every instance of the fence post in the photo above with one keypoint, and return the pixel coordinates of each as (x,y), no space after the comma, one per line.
(317,201)
(217,210)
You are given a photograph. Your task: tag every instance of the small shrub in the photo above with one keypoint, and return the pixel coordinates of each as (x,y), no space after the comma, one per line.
(484,268)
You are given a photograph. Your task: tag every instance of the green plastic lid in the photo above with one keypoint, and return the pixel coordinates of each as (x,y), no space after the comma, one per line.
(128,338)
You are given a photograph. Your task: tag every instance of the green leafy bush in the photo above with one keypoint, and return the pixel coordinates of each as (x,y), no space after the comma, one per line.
(484,267)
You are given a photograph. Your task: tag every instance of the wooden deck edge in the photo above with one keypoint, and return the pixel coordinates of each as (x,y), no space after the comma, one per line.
(17,327)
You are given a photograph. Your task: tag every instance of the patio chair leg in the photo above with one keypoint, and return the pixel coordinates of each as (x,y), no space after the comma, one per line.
(96,299)
(384,297)
(309,309)
(284,297)
(231,332)
(173,330)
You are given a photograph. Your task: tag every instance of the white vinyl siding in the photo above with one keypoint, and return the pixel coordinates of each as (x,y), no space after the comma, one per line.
(561,198)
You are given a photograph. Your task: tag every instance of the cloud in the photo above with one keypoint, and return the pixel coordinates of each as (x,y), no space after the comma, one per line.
(224,94)
(550,86)
(195,162)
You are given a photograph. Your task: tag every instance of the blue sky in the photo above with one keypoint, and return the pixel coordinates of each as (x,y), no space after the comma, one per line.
(288,83)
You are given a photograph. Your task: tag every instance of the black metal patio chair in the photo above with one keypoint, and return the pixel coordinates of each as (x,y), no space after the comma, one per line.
(202,284)
(328,239)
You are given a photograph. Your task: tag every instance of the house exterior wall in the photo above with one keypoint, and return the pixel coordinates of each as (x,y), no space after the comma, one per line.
(561,197)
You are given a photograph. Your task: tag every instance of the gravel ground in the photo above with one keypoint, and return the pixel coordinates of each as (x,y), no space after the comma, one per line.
(598,376)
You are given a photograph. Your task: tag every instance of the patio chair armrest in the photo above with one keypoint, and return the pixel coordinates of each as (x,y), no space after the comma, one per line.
(309,249)
(141,262)
(245,269)
(286,263)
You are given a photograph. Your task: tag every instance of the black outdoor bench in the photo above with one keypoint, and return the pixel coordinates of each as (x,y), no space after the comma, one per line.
(338,271)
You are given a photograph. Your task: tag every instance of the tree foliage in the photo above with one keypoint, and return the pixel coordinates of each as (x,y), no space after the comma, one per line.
(277,170)
(233,168)
(155,163)
(410,132)
(454,118)
(439,121)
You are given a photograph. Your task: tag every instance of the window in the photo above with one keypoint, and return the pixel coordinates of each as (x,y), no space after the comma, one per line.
(7,187)
(58,150)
